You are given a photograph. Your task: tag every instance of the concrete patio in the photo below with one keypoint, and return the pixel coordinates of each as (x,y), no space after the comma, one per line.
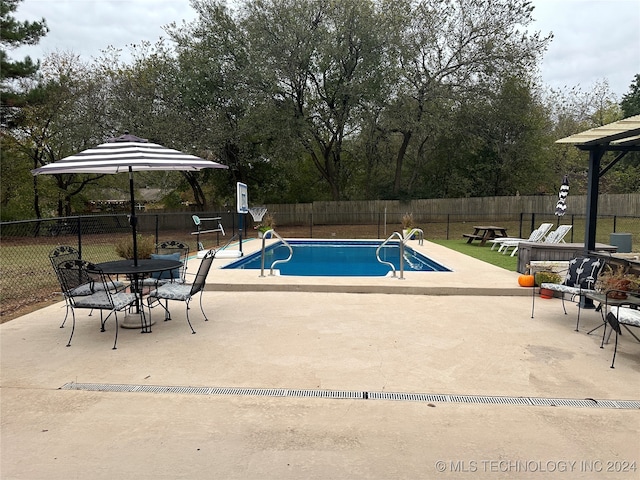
(288,349)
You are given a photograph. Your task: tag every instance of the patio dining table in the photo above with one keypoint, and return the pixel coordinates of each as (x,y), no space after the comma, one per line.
(136,273)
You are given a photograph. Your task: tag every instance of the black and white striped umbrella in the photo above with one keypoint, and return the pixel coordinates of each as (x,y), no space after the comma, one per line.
(561,206)
(127,153)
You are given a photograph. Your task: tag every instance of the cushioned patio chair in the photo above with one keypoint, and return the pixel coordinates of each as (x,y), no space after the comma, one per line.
(183,292)
(580,279)
(171,250)
(79,274)
(65,253)
(621,315)
(536,236)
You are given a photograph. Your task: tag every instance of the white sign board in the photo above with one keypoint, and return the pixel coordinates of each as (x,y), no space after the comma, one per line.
(242,200)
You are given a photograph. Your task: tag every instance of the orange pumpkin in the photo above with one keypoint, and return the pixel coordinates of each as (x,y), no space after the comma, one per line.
(526,280)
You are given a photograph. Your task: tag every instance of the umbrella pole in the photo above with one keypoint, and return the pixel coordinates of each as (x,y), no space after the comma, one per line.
(133,220)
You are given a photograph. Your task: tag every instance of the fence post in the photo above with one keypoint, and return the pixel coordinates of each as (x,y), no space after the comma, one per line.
(615,218)
(572,226)
(157,228)
(80,236)
(311,225)
(448,225)
(384,222)
(520,226)
(233,223)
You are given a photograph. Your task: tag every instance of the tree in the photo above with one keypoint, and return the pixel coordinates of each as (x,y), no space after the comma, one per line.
(322,62)
(447,53)
(505,157)
(60,117)
(630,103)
(572,111)
(16,182)
(212,96)
(627,178)
(14,34)
(139,98)
(321,99)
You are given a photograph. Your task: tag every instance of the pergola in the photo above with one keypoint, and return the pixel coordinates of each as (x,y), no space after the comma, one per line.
(623,137)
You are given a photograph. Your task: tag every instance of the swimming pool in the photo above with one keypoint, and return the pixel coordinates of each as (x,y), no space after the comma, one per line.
(338,258)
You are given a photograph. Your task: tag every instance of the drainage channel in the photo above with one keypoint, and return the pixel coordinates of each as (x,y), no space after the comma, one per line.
(357,395)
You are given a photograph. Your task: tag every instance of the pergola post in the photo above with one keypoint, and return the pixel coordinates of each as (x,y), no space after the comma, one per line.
(593,183)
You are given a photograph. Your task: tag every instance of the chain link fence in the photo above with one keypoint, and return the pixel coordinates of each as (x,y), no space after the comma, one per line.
(27,278)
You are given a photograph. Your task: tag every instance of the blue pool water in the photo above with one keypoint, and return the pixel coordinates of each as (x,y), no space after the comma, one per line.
(338,258)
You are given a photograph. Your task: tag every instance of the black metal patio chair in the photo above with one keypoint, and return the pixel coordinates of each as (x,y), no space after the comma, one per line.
(80,274)
(66,253)
(183,292)
(170,250)
(625,313)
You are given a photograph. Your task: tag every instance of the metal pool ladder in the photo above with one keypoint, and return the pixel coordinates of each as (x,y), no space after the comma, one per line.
(284,242)
(403,241)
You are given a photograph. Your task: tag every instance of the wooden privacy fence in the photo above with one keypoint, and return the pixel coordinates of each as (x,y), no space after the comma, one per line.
(428,210)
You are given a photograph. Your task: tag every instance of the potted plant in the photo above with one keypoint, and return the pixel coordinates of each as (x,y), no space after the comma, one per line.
(145,243)
(407,223)
(617,279)
(268,223)
(547,277)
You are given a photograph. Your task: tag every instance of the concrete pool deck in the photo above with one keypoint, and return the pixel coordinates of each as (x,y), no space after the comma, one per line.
(308,338)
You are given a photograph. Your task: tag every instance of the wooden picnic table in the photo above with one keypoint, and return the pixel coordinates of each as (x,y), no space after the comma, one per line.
(485,233)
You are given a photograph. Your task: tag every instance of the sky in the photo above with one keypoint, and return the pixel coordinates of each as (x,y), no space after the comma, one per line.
(594,40)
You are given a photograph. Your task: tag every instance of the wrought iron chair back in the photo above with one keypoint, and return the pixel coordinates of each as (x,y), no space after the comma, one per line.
(203,271)
(79,274)
(173,246)
(183,293)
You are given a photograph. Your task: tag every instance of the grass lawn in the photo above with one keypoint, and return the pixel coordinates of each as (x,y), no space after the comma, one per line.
(481,253)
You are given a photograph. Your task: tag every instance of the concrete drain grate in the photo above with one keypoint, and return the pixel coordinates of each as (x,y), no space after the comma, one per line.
(357,395)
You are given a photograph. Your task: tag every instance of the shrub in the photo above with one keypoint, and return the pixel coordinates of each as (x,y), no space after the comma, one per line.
(146,246)
(547,277)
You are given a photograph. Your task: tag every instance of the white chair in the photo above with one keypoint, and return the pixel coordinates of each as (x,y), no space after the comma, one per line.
(557,236)
(537,235)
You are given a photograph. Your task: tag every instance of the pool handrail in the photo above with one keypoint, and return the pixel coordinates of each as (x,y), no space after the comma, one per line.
(402,243)
(284,242)
(393,268)
(411,233)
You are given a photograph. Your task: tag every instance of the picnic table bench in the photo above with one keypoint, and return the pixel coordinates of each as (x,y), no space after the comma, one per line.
(485,233)
(472,237)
